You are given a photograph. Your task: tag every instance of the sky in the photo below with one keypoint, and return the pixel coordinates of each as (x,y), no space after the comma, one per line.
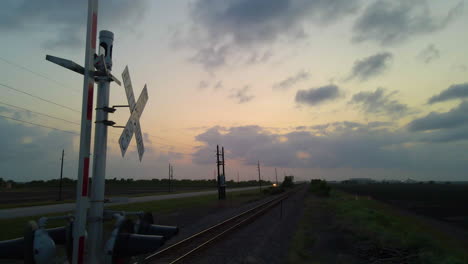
(331,89)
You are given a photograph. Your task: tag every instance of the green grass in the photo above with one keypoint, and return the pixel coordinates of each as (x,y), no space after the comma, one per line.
(20,205)
(303,238)
(389,227)
(49,202)
(13,228)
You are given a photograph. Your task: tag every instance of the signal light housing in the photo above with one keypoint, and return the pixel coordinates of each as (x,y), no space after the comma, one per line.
(39,248)
(124,243)
(145,226)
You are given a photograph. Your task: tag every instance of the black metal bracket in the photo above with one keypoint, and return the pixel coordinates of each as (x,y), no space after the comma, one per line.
(107,109)
(106,122)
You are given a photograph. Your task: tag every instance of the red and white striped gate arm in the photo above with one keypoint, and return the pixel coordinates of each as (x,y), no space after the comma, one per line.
(79,225)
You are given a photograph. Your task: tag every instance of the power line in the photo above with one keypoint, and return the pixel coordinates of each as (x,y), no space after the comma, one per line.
(189,145)
(34,124)
(163,146)
(34,72)
(40,98)
(67,131)
(74,110)
(25,109)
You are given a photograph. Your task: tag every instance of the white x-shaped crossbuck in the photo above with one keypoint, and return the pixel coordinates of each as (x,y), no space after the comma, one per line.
(133,123)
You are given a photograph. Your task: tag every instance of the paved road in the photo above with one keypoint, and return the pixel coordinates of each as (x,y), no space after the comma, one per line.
(66,207)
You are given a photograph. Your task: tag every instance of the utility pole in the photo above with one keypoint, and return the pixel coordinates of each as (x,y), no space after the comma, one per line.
(276,174)
(61,177)
(169,177)
(259,177)
(223,179)
(237,176)
(218,178)
(221,184)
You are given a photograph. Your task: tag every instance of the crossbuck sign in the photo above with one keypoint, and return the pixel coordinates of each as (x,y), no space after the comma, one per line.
(133,123)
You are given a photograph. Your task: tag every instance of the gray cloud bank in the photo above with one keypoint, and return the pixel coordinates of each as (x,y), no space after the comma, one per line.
(67,18)
(226,29)
(429,54)
(379,102)
(344,145)
(371,66)
(395,21)
(456,117)
(242,95)
(315,96)
(291,81)
(456,91)
(233,26)
(32,153)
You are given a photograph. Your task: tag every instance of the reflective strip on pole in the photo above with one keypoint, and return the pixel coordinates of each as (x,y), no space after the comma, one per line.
(79,232)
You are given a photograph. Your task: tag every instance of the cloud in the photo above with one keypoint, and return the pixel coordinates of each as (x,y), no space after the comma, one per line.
(395,21)
(370,66)
(202,85)
(66,18)
(35,147)
(380,102)
(429,54)
(240,25)
(242,95)
(345,126)
(218,85)
(353,146)
(460,67)
(259,57)
(211,57)
(455,91)
(454,118)
(291,81)
(315,96)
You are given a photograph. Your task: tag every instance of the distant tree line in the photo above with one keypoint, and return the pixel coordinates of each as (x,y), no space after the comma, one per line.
(67,182)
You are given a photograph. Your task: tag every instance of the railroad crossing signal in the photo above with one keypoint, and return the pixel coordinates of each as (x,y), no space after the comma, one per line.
(133,123)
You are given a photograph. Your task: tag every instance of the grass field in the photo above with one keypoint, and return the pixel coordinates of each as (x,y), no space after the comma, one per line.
(365,230)
(447,202)
(48,202)
(13,228)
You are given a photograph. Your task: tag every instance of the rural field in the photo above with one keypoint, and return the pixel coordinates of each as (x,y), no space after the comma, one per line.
(447,202)
(47,192)
(382,223)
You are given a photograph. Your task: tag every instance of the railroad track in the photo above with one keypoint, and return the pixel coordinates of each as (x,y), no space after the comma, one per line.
(183,249)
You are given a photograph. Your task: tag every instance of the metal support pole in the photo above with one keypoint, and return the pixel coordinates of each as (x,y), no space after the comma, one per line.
(276,174)
(219,172)
(172,178)
(223,181)
(79,225)
(259,177)
(61,177)
(96,211)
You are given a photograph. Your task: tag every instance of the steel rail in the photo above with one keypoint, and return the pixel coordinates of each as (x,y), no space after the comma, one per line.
(254,212)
